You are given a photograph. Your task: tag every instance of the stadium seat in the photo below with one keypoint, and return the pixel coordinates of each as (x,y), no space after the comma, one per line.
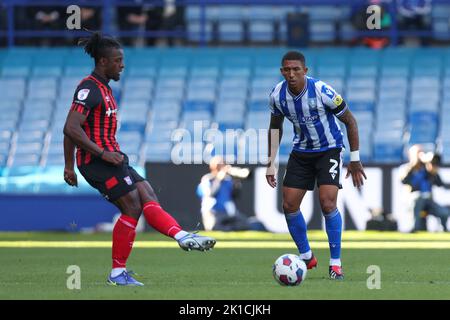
(388,152)
(24,160)
(261,31)
(397,94)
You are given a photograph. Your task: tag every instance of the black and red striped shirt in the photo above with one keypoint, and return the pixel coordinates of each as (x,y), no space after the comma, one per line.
(94,98)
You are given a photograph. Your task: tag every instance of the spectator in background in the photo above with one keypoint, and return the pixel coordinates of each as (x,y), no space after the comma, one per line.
(421,175)
(139,17)
(90,19)
(359,18)
(414,15)
(173,20)
(47,18)
(217,191)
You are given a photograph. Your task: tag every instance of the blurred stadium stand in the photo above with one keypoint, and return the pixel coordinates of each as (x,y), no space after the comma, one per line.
(394,106)
(397,94)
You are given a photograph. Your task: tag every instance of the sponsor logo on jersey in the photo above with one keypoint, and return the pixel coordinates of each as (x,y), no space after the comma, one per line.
(83,94)
(312,102)
(309,119)
(110,112)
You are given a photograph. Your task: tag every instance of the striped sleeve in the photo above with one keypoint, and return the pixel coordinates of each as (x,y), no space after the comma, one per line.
(273,108)
(332,99)
(86,97)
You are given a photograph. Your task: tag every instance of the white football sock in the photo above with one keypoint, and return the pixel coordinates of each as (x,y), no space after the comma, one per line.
(306,255)
(335,262)
(180,235)
(116,271)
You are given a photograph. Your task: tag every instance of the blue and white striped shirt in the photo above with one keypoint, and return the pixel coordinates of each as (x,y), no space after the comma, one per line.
(313,114)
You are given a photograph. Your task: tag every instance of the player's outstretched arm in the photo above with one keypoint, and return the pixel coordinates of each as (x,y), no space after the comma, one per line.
(69,154)
(355,167)
(274,137)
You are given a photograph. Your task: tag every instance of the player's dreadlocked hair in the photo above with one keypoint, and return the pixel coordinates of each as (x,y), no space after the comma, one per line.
(294,55)
(97,46)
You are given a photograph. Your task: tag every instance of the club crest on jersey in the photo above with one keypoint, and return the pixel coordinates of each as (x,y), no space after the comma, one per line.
(283,103)
(128,180)
(108,99)
(312,102)
(83,94)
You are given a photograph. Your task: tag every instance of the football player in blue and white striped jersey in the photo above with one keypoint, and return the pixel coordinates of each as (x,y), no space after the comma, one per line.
(313,107)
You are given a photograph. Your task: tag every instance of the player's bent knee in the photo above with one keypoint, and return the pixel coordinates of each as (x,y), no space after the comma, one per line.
(289,207)
(328,206)
(133,211)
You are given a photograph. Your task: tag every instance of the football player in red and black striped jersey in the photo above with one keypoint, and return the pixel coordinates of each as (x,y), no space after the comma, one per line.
(91,127)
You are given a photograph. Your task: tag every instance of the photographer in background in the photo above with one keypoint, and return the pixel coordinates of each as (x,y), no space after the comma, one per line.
(422,174)
(217,191)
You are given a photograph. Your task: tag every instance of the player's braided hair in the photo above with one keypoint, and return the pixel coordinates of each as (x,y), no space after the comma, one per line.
(97,46)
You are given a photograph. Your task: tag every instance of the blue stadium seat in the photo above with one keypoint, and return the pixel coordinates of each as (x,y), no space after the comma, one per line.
(78,71)
(12,89)
(388,152)
(235,94)
(173,71)
(46,71)
(207,71)
(28,148)
(361,82)
(155,152)
(26,160)
(15,71)
(361,105)
(30,135)
(4,147)
(33,125)
(55,160)
(198,105)
(194,94)
(408,96)
(10,115)
(232,13)
(330,71)
(322,31)
(163,135)
(196,32)
(132,94)
(258,106)
(261,31)
(201,83)
(363,71)
(148,71)
(364,95)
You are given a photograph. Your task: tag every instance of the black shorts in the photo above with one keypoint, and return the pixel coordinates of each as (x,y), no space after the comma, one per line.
(304,168)
(111,181)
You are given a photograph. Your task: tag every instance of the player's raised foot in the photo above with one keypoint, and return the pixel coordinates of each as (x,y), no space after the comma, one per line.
(336,273)
(311,263)
(194,241)
(123,279)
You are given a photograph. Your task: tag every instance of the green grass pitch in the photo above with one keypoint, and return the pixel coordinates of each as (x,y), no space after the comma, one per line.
(413,266)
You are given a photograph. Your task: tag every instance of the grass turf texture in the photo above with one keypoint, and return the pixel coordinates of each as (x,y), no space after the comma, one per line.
(236,269)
